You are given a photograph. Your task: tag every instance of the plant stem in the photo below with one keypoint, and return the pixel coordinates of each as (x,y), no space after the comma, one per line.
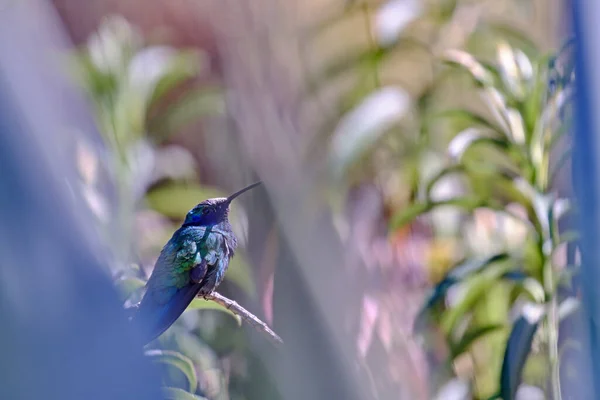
(553,325)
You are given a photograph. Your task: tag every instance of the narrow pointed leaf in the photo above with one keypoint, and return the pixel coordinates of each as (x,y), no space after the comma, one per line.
(476,286)
(518,348)
(568,307)
(172,393)
(470,117)
(128,285)
(415,210)
(181,67)
(471,337)
(457,274)
(177,360)
(365,124)
(510,71)
(192,106)
(470,137)
(470,64)
(460,272)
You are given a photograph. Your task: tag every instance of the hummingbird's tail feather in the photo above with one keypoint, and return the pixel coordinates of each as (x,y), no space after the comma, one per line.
(157,318)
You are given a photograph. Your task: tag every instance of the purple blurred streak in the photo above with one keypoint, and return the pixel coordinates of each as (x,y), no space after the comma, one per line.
(64,333)
(319,285)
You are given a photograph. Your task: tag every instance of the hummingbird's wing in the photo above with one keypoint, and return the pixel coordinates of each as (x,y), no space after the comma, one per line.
(169,290)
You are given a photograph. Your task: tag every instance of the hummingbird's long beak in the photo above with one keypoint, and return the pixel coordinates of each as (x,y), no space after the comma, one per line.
(236,194)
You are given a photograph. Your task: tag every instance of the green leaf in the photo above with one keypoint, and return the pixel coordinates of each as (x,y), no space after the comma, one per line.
(452,169)
(343,65)
(190,107)
(466,139)
(202,304)
(459,273)
(172,393)
(470,117)
(177,360)
(515,36)
(410,213)
(367,59)
(364,125)
(518,348)
(541,205)
(475,287)
(467,62)
(496,103)
(568,307)
(175,200)
(471,337)
(515,70)
(541,141)
(128,285)
(183,66)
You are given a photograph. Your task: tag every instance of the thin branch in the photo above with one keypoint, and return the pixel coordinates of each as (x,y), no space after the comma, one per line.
(244,314)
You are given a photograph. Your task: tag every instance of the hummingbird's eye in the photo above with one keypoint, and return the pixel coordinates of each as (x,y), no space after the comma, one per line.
(205,211)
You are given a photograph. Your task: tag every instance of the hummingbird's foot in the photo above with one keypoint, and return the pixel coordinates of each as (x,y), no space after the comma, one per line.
(206,291)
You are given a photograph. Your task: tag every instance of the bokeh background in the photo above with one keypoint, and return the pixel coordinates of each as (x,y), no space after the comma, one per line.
(413,239)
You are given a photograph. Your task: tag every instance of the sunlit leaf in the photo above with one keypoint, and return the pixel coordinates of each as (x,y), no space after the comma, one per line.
(470,137)
(454,389)
(178,67)
(568,307)
(533,288)
(471,337)
(516,126)
(358,130)
(188,342)
(128,285)
(496,103)
(411,212)
(543,205)
(510,70)
(393,17)
(445,172)
(513,35)
(195,104)
(147,67)
(172,393)
(470,64)
(113,44)
(518,348)
(460,272)
(475,287)
(176,360)
(471,117)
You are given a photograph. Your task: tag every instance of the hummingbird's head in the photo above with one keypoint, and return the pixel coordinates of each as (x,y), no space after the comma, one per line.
(213,211)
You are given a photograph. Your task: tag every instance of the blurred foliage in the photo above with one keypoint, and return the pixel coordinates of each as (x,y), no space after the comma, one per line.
(472,157)
(453,114)
(142,94)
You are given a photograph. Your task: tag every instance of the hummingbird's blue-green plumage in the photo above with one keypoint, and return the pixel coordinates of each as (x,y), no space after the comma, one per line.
(193,262)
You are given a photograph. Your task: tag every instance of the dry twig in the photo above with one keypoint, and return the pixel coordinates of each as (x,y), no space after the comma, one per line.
(244,314)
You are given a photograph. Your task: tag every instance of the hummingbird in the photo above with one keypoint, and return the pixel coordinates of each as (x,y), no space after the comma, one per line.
(192,263)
